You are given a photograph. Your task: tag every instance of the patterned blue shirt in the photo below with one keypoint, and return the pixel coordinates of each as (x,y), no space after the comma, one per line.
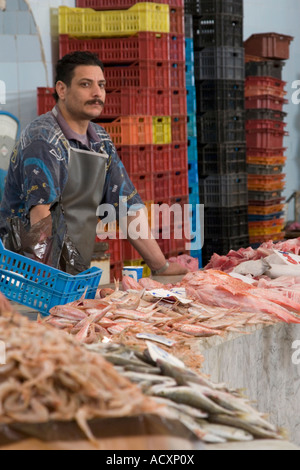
(38,168)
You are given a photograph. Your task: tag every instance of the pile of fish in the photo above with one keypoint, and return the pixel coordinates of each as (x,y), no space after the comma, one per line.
(210,411)
(234,258)
(170,317)
(49,377)
(220,289)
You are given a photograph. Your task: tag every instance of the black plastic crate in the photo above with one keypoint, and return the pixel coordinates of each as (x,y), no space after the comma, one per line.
(264,196)
(220,222)
(218,30)
(224,190)
(264,169)
(192,7)
(189,26)
(269,114)
(225,95)
(219,159)
(221,126)
(268,68)
(220,63)
(231,7)
(222,246)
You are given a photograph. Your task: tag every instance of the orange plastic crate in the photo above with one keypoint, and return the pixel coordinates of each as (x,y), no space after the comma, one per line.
(264,86)
(265,210)
(266,183)
(130,130)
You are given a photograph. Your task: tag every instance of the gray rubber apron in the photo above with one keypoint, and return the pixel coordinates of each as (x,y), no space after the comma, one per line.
(82,196)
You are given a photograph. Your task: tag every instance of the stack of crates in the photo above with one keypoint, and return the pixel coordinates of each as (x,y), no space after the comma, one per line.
(265,131)
(142,47)
(217,26)
(193,177)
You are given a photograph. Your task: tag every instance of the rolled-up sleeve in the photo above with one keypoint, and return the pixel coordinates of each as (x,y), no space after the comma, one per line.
(42,175)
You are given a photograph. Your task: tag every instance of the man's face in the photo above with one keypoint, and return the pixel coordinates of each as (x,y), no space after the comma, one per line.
(84,99)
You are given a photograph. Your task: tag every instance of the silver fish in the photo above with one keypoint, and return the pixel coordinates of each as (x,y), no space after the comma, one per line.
(192,397)
(242,423)
(228,433)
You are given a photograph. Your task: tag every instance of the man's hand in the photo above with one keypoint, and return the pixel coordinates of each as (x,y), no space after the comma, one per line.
(175,269)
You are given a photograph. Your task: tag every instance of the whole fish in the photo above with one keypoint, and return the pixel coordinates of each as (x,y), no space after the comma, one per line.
(192,397)
(228,433)
(242,423)
(67,311)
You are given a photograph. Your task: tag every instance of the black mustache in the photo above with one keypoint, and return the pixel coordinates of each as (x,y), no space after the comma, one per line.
(96,102)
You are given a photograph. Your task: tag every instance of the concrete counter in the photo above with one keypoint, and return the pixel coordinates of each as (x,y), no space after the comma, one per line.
(261,363)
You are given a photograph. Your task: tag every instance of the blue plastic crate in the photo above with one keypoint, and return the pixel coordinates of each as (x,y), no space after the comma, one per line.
(189,50)
(42,287)
(192,125)
(192,149)
(190,74)
(191,100)
(193,173)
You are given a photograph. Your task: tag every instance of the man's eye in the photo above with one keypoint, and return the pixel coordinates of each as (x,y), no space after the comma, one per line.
(85,84)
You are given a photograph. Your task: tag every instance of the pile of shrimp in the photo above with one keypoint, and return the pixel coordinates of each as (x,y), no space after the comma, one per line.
(48,376)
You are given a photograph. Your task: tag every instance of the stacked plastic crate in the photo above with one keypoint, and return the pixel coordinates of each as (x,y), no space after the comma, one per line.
(265,131)
(146,108)
(193,178)
(220,80)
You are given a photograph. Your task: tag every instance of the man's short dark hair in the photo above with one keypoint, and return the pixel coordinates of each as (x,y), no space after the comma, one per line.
(66,66)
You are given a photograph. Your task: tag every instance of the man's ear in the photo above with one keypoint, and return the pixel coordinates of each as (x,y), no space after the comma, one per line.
(61,88)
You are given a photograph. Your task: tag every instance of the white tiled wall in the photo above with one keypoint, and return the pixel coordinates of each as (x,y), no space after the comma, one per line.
(28,49)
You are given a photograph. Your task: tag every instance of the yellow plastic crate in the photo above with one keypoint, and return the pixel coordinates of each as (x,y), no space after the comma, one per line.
(162,130)
(85,22)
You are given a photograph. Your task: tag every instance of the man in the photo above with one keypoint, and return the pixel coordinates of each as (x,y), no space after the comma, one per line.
(64,156)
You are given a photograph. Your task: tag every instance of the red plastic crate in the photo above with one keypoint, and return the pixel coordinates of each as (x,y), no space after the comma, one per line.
(257,124)
(178,102)
(179,156)
(128,251)
(143,46)
(45,100)
(120,4)
(179,183)
(265,102)
(269,45)
(137,102)
(177,20)
(177,48)
(161,183)
(179,129)
(265,138)
(144,185)
(161,158)
(115,251)
(177,71)
(145,73)
(137,159)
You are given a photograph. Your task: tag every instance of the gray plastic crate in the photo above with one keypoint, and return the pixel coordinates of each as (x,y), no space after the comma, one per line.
(220,63)
(224,191)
